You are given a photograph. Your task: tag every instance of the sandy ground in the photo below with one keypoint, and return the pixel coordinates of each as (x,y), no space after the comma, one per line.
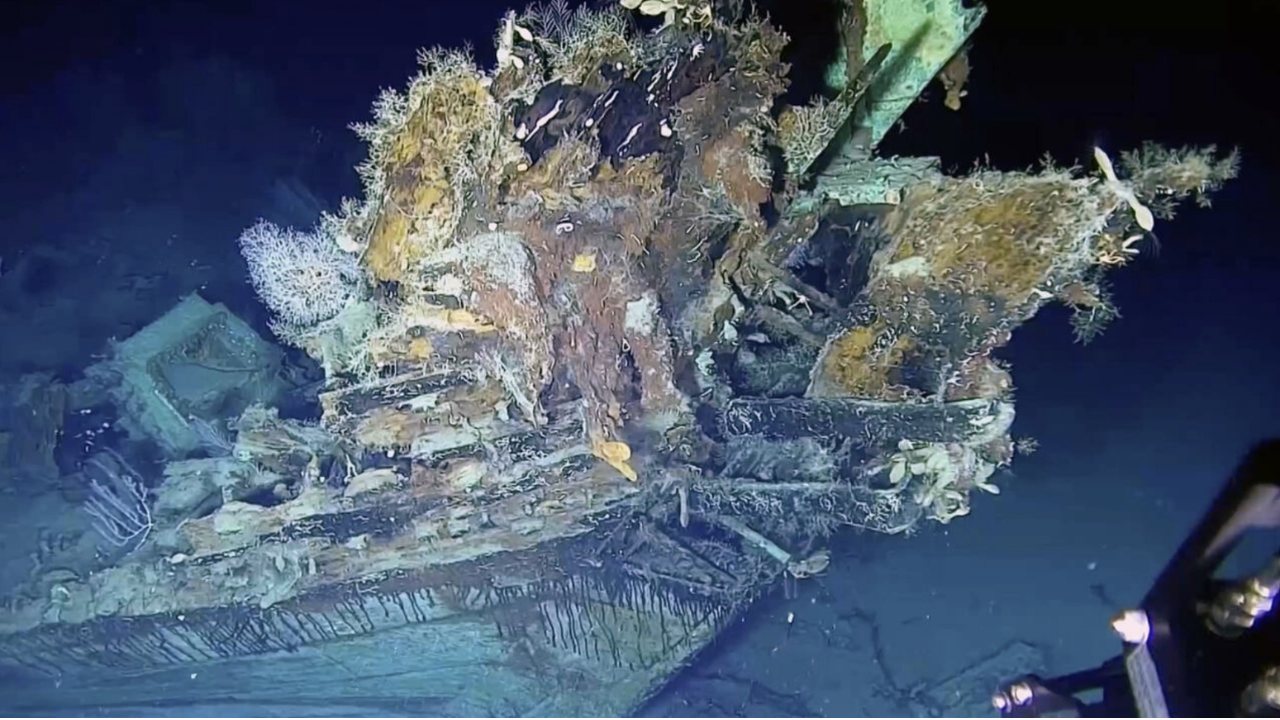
(1027,583)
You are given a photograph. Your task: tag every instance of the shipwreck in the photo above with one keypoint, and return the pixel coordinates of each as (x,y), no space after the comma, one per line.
(613,342)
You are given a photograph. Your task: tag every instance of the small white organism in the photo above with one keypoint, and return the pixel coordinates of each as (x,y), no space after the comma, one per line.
(1141,212)
(693,13)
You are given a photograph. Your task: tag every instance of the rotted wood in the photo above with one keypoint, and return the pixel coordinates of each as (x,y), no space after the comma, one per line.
(523,445)
(824,258)
(706,562)
(774,274)
(776,321)
(604,620)
(842,247)
(360,399)
(789,418)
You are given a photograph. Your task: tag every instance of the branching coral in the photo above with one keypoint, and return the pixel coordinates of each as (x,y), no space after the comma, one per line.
(576,43)
(303,277)
(1165,176)
(805,131)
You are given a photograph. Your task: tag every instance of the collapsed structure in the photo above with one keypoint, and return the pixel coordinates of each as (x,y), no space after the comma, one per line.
(613,340)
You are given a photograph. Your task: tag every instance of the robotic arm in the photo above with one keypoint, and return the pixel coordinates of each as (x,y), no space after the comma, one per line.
(1198,646)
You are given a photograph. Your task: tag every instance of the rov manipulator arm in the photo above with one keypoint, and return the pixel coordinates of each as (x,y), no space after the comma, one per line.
(1198,645)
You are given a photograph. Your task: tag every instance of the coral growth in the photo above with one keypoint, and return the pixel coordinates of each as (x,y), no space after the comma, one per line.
(432,151)
(303,277)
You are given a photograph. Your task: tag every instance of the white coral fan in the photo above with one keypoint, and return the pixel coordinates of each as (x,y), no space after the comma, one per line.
(304,278)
